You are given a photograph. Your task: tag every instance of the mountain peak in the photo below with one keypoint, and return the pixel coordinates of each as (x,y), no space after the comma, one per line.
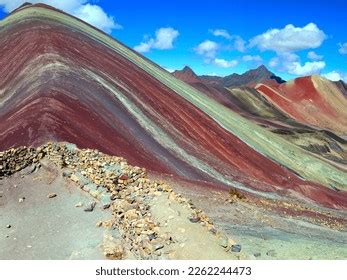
(187,69)
(262,68)
(187,75)
(252,76)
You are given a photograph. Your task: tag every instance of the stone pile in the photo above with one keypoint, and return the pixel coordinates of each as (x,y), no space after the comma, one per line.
(124,189)
(14,160)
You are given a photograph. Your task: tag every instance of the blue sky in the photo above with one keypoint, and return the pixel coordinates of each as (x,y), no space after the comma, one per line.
(222,37)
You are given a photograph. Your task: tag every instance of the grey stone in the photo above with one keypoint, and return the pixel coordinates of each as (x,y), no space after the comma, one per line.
(51,195)
(194,219)
(236,248)
(90,207)
(271,253)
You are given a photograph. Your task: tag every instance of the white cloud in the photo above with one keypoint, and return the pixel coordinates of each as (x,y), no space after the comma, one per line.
(313,56)
(290,38)
(221,33)
(208,49)
(240,44)
(255,58)
(290,62)
(164,38)
(225,63)
(144,47)
(335,76)
(308,68)
(343,48)
(93,14)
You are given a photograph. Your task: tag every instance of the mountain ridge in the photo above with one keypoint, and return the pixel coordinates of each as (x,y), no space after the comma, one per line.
(109,94)
(250,77)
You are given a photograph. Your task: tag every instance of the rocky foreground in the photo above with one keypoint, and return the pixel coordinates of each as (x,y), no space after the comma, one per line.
(149,219)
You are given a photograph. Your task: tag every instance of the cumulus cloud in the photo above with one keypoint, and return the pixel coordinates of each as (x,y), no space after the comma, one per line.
(96,16)
(290,62)
(225,63)
(93,14)
(313,56)
(221,33)
(164,38)
(343,48)
(307,68)
(289,38)
(207,48)
(335,76)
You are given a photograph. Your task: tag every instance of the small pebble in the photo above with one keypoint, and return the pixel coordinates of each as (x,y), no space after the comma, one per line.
(90,207)
(271,253)
(106,206)
(151,236)
(51,195)
(194,219)
(8,226)
(236,248)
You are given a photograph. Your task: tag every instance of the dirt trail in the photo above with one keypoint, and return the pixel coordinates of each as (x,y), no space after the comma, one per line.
(192,240)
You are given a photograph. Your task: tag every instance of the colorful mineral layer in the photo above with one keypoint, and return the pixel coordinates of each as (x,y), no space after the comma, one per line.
(258,145)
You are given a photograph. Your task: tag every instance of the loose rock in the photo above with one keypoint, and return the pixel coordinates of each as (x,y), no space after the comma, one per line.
(271,253)
(51,195)
(194,219)
(236,248)
(90,207)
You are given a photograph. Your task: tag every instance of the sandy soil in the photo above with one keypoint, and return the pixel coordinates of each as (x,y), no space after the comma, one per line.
(47,228)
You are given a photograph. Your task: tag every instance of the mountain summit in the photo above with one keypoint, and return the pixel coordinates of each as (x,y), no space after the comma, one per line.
(187,75)
(250,77)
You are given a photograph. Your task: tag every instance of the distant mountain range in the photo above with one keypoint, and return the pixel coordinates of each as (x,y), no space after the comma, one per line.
(250,77)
